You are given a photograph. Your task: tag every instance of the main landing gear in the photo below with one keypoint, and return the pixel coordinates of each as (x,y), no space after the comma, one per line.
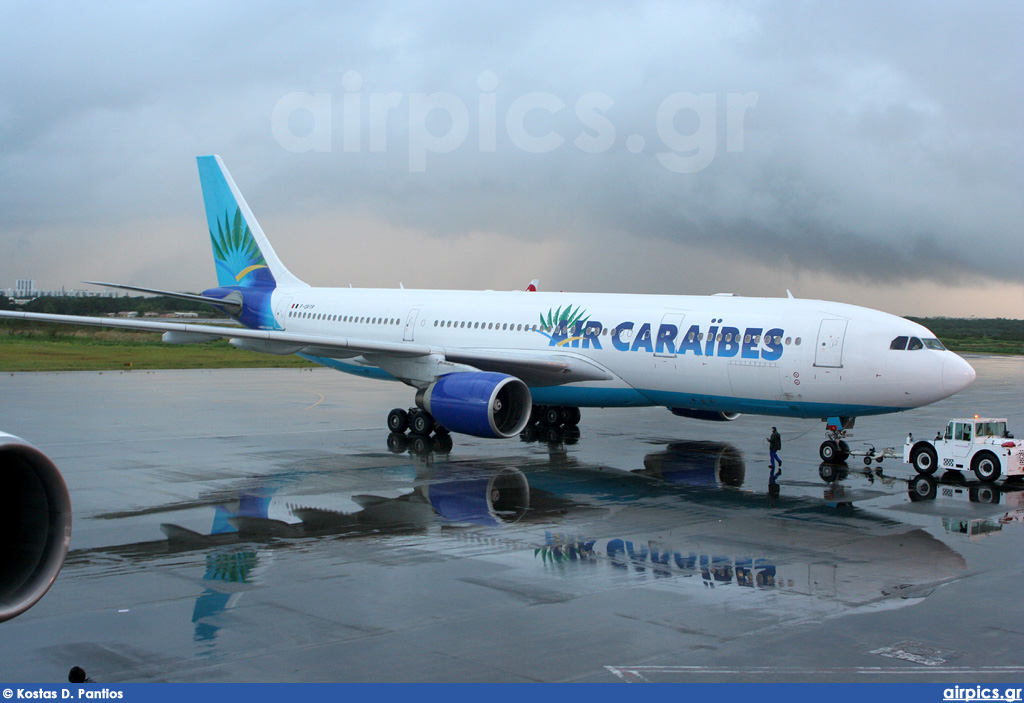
(420,423)
(416,420)
(552,416)
(554,424)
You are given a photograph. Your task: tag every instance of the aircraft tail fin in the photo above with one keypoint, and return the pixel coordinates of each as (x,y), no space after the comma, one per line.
(241,252)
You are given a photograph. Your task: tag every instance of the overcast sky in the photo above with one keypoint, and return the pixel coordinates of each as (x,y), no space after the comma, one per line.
(865,152)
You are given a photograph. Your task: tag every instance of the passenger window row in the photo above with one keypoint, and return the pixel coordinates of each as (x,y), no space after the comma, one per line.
(500,326)
(355,319)
(361,319)
(513,327)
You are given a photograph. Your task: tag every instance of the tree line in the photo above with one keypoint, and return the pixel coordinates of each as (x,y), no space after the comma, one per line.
(97,306)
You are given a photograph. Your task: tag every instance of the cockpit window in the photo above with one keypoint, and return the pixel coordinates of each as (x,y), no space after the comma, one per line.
(912,343)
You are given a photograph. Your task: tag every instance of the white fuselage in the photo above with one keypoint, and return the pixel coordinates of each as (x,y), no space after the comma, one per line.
(778,356)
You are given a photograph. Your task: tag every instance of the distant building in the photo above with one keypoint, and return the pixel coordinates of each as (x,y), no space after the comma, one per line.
(25,290)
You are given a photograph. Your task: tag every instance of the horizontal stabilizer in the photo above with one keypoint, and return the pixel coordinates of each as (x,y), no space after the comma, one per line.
(232,305)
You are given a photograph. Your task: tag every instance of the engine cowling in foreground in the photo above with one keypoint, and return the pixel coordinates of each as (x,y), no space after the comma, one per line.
(35,525)
(482,404)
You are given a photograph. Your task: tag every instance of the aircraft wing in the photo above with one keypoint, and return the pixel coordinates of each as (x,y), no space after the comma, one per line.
(197,333)
(541,368)
(535,368)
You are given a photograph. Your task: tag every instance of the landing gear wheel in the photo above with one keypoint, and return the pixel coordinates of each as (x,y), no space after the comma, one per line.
(551,416)
(924,460)
(844,451)
(571,416)
(922,487)
(421,422)
(398,420)
(828,451)
(986,467)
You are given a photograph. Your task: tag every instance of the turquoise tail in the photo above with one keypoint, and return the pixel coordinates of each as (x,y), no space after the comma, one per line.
(241,252)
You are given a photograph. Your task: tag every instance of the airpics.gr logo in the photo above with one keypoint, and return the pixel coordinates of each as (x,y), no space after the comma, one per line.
(236,253)
(576,329)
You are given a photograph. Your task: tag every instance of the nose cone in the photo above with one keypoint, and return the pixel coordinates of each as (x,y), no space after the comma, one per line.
(957,374)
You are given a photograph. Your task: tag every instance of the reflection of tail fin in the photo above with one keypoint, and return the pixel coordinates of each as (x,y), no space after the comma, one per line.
(241,251)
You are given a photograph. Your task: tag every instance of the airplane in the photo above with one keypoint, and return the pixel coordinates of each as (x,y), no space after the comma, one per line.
(487,363)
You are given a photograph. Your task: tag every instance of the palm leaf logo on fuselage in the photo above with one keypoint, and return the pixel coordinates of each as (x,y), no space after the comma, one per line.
(558,325)
(238,257)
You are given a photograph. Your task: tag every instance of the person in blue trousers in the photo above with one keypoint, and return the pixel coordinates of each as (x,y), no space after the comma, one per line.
(774,445)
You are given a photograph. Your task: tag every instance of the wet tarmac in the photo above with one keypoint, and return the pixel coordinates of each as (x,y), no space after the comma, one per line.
(261,525)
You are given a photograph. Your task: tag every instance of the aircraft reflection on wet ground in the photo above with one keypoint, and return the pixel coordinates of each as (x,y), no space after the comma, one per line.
(684,516)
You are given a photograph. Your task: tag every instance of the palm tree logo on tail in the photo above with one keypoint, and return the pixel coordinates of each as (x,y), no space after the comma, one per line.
(237,255)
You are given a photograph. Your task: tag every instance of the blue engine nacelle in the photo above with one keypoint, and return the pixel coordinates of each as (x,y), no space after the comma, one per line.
(35,525)
(712,415)
(482,404)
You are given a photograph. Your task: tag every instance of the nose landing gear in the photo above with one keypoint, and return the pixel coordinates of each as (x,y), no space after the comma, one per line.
(835,450)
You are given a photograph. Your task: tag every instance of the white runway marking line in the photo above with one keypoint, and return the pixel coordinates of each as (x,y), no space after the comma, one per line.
(636,673)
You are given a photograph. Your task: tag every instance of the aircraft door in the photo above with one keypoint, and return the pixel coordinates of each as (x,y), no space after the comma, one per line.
(281,312)
(829,352)
(410,325)
(669,342)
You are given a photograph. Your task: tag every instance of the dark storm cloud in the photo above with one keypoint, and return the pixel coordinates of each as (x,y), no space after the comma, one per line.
(872,141)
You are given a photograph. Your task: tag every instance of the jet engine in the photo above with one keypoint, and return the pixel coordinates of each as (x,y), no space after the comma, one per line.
(35,525)
(712,415)
(482,404)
